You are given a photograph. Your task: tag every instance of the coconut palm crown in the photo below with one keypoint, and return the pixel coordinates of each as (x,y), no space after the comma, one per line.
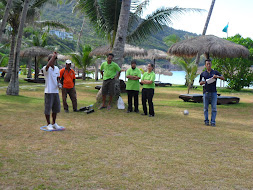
(104,16)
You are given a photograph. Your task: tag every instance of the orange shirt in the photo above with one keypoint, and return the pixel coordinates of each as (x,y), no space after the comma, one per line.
(68,78)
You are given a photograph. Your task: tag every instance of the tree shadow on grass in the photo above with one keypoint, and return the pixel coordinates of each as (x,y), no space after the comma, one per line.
(17,99)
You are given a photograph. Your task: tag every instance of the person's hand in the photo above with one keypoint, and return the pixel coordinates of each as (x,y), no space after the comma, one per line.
(55,54)
(202,82)
(215,76)
(59,85)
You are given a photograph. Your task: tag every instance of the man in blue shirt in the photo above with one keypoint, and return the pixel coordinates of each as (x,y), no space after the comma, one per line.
(208,80)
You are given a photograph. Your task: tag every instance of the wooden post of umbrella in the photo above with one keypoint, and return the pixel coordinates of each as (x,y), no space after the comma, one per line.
(36,68)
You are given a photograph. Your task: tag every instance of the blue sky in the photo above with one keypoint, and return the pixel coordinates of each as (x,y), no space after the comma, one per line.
(238,13)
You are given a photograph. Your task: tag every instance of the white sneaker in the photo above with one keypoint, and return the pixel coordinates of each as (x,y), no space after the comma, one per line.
(50,127)
(56,126)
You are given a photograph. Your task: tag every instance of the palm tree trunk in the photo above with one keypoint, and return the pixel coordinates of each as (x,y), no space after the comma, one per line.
(208,17)
(29,74)
(79,36)
(5,17)
(11,56)
(97,68)
(84,73)
(13,88)
(119,44)
(205,27)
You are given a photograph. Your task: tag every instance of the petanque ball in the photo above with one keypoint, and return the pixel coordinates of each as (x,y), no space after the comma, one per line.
(186,112)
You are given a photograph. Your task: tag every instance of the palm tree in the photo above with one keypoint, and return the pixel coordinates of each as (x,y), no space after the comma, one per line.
(13,87)
(171,39)
(5,17)
(82,58)
(14,19)
(104,15)
(190,69)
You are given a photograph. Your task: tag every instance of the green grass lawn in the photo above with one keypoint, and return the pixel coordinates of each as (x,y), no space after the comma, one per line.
(116,150)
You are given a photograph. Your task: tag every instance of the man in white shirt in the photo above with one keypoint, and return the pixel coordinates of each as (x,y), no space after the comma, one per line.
(52,82)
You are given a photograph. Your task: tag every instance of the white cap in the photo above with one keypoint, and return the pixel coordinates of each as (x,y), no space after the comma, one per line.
(68,61)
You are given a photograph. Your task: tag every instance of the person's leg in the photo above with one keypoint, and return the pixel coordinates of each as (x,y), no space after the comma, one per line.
(48,106)
(206,104)
(64,99)
(150,101)
(56,108)
(48,119)
(103,99)
(130,97)
(136,101)
(72,95)
(54,117)
(214,107)
(110,101)
(144,101)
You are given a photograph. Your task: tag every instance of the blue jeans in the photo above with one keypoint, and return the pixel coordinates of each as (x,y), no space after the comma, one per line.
(212,98)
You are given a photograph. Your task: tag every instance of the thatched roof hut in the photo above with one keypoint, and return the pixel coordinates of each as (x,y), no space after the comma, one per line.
(208,45)
(129,50)
(153,54)
(35,51)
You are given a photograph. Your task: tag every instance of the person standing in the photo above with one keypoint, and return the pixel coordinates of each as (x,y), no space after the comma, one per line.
(109,71)
(208,80)
(67,76)
(148,81)
(133,86)
(52,83)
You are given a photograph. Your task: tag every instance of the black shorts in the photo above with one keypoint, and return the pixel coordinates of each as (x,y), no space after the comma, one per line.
(108,87)
(52,101)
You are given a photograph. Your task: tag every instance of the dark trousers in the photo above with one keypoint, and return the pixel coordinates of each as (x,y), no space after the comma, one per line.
(147,94)
(72,94)
(131,94)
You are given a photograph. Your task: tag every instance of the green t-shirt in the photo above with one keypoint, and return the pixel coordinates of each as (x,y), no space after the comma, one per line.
(133,84)
(110,70)
(149,76)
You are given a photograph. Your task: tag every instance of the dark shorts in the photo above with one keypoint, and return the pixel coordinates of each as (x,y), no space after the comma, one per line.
(52,102)
(108,87)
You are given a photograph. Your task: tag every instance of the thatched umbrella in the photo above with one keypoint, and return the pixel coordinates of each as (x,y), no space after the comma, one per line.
(208,45)
(35,52)
(153,54)
(128,51)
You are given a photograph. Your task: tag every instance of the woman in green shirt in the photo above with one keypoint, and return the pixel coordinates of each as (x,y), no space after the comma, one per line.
(148,81)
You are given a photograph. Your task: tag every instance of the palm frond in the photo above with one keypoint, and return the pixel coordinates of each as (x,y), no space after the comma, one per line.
(156,21)
(139,7)
(76,60)
(92,10)
(68,1)
(52,23)
(41,3)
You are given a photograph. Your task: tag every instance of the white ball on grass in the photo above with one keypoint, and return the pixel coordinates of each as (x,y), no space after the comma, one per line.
(186,112)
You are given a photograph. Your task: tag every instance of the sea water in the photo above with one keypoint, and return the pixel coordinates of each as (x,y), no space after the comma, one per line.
(178,77)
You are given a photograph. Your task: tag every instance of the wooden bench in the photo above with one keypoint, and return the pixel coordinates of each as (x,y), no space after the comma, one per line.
(161,84)
(198,98)
(227,100)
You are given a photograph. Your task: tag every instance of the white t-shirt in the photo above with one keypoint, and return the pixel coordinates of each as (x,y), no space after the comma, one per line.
(51,79)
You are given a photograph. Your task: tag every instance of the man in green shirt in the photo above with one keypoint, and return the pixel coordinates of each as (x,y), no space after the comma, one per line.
(133,86)
(109,71)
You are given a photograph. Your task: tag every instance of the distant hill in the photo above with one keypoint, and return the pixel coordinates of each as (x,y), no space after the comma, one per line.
(64,14)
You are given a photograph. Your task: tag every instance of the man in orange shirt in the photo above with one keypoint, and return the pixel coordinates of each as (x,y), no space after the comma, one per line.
(67,76)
